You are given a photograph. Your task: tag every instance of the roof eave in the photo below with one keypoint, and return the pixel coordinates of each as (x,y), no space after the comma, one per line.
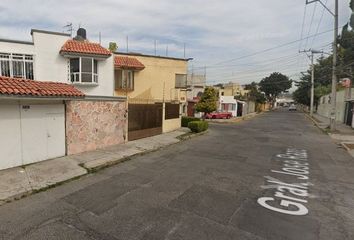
(78,54)
(34,97)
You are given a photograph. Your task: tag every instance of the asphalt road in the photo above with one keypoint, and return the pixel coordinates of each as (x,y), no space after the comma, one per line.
(275,176)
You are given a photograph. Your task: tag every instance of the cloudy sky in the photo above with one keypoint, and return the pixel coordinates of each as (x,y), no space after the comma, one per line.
(230,40)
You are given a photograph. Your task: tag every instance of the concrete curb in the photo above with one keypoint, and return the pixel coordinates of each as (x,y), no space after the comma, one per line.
(316,124)
(191,135)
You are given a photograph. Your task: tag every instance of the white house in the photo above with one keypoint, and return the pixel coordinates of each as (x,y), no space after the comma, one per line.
(230,104)
(66,105)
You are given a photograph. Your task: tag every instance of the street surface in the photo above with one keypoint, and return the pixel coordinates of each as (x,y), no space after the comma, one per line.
(275,176)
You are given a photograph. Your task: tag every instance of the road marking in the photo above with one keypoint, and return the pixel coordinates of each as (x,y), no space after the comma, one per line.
(289,198)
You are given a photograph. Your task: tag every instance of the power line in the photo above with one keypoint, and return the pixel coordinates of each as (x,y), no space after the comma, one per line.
(319,24)
(310,27)
(303,26)
(272,48)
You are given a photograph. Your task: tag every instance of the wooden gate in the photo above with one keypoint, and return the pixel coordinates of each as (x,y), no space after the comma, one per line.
(144,120)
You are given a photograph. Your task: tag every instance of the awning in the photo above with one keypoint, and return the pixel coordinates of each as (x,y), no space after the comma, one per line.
(128,63)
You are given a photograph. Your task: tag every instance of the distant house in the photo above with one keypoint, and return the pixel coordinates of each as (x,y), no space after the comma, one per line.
(228,99)
(196,84)
(66,105)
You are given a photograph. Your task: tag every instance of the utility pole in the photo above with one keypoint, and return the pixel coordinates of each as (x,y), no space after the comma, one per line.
(334,67)
(312,99)
(334,70)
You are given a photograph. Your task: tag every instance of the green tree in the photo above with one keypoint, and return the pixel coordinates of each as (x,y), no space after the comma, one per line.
(208,100)
(274,84)
(254,94)
(112,46)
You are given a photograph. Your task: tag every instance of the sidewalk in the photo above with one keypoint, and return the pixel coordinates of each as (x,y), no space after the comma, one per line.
(344,135)
(18,182)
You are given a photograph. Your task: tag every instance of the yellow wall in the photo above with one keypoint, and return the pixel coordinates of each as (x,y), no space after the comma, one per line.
(233,89)
(157,79)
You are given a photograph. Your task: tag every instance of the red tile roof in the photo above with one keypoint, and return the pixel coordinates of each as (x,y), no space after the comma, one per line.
(24,87)
(128,62)
(84,47)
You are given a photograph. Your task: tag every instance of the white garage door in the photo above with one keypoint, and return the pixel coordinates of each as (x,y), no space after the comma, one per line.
(31,133)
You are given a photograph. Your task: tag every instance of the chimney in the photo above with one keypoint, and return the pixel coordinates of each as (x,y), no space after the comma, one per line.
(81,34)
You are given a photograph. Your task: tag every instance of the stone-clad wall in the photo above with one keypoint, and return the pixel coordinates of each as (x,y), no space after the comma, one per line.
(92,125)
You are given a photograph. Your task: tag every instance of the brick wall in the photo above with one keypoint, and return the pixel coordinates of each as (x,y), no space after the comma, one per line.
(92,125)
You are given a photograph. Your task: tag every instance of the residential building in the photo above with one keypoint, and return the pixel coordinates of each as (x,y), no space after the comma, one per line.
(195,87)
(155,87)
(228,99)
(68,105)
(232,89)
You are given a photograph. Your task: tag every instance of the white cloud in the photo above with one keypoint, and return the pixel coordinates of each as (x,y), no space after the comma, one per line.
(213,30)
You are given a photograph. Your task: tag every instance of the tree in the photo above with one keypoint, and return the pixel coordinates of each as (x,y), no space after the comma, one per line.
(274,84)
(207,103)
(112,46)
(254,94)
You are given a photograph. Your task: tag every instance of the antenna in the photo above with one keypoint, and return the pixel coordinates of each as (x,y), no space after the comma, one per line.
(99,37)
(69,28)
(155,43)
(127,44)
(184,50)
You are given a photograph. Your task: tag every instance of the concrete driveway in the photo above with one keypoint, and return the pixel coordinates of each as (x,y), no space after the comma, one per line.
(275,176)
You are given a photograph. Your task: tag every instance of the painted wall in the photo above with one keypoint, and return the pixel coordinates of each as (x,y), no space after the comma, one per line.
(169,125)
(249,107)
(228,100)
(91,125)
(233,89)
(324,107)
(157,80)
(49,64)
(10,47)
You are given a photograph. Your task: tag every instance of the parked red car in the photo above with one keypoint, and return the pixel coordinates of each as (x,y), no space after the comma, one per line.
(218,115)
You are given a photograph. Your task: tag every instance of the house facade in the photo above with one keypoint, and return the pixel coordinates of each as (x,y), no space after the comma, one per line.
(154,88)
(38,119)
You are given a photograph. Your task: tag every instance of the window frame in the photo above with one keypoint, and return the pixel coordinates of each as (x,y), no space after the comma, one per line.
(77,76)
(131,80)
(26,62)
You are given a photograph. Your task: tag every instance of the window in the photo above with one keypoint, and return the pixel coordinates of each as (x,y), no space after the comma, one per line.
(16,65)
(124,79)
(181,80)
(233,107)
(83,70)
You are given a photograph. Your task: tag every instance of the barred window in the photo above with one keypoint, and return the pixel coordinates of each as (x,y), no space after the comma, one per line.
(16,65)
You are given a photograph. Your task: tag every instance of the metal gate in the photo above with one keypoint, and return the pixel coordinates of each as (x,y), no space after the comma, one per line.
(144,120)
(349,113)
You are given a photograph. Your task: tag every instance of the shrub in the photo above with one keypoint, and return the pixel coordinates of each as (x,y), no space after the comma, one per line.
(198,126)
(186,120)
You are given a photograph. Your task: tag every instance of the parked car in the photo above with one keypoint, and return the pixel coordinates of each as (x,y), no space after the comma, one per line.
(292,107)
(219,115)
